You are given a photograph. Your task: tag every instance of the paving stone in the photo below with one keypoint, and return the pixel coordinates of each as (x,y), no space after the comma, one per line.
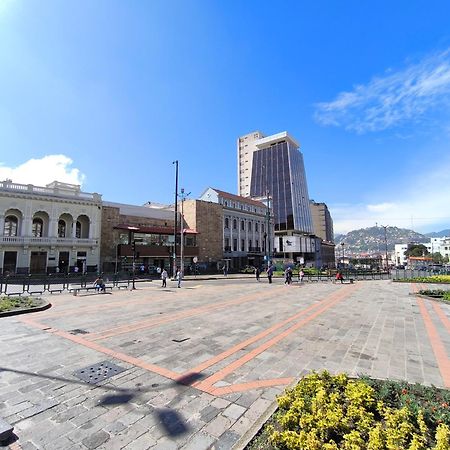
(234,411)
(96,439)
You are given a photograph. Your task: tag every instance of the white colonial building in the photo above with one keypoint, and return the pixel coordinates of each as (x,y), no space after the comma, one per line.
(48,229)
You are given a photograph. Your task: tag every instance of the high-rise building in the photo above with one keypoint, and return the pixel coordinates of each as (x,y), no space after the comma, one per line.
(274,165)
(245,148)
(322,221)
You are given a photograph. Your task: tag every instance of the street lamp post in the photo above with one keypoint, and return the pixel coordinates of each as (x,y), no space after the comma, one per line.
(343,254)
(385,245)
(133,247)
(131,239)
(174,255)
(268,230)
(183,196)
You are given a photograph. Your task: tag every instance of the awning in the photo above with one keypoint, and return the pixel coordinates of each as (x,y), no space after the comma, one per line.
(152,230)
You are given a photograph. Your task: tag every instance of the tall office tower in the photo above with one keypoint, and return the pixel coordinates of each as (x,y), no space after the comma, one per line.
(322,221)
(245,148)
(277,170)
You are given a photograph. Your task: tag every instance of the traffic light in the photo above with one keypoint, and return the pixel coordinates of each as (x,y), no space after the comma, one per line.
(133,246)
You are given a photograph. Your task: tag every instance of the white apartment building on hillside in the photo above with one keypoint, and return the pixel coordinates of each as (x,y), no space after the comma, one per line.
(435,245)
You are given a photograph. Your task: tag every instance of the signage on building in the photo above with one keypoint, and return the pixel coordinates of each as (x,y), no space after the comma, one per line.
(298,244)
(291,244)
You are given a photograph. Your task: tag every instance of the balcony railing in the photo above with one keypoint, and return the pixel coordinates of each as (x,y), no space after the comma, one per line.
(227,248)
(52,241)
(254,249)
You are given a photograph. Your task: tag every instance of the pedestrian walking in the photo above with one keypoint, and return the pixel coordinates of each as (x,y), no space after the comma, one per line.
(164,278)
(288,275)
(179,277)
(301,275)
(270,273)
(257,273)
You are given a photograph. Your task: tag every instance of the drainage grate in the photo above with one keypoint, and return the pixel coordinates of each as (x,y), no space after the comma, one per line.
(78,331)
(98,372)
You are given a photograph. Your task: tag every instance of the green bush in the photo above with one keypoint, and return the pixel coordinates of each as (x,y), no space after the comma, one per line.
(335,412)
(436,293)
(11,303)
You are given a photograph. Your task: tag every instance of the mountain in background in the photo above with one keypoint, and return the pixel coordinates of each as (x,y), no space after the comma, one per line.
(372,240)
(442,233)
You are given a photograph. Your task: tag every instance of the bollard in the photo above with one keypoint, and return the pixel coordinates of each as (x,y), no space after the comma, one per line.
(75,292)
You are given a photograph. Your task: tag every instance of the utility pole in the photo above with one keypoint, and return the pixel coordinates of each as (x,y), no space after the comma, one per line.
(268,230)
(133,247)
(174,254)
(183,196)
(385,246)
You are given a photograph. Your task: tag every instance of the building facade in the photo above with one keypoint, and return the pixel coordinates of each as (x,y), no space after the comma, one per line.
(48,229)
(246,145)
(278,171)
(322,221)
(439,245)
(151,229)
(235,231)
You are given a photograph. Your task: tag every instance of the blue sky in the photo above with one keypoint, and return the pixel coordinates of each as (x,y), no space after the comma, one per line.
(108,93)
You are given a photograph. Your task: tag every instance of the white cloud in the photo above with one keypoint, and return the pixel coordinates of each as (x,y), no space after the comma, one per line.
(421,205)
(42,171)
(398,97)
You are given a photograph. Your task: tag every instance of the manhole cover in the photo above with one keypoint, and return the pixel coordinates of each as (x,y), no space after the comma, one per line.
(98,372)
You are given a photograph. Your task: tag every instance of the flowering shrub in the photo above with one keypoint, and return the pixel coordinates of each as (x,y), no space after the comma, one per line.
(335,412)
(444,279)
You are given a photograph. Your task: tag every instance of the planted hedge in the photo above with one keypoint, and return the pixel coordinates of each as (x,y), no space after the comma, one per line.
(335,412)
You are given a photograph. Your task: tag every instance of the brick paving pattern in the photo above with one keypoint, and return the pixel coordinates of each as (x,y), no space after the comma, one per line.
(204,363)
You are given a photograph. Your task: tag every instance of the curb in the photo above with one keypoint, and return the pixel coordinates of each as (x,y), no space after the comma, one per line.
(47,305)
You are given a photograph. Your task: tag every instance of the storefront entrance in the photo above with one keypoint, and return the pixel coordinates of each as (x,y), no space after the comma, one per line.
(10,262)
(38,262)
(63,262)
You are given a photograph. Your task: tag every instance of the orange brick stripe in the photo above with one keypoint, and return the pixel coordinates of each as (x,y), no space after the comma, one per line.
(174,317)
(220,357)
(207,384)
(251,385)
(99,348)
(442,316)
(436,343)
(80,302)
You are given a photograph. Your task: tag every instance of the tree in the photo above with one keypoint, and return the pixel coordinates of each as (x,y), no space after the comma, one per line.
(437,258)
(416,250)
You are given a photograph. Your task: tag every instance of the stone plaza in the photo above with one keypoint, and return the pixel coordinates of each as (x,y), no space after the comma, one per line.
(200,367)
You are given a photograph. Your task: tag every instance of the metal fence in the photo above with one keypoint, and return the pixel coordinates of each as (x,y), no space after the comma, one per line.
(52,283)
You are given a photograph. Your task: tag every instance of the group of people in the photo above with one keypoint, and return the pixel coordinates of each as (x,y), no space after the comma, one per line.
(288,273)
(165,275)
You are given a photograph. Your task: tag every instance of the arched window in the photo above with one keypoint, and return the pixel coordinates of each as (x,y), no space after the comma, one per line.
(249,225)
(78,229)
(227,224)
(61,228)
(242,225)
(10,226)
(37,227)
(234,224)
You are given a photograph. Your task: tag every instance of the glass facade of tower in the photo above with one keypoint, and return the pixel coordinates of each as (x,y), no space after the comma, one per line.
(278,171)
